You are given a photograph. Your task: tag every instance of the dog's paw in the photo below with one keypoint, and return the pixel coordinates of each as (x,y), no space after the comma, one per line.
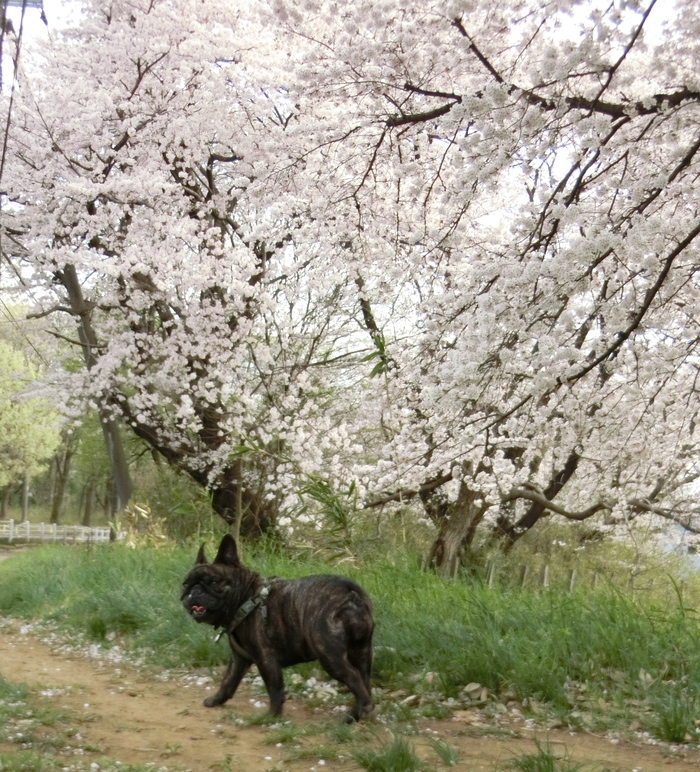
(352,716)
(213,701)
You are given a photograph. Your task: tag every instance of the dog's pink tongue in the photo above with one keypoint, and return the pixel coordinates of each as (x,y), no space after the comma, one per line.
(198,609)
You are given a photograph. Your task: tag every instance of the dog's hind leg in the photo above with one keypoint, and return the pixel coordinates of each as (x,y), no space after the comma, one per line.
(342,670)
(360,657)
(237,668)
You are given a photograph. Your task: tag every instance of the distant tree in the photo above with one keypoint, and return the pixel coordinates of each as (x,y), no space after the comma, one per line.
(60,469)
(29,425)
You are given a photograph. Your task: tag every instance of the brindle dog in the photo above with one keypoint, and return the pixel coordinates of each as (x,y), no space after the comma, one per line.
(276,623)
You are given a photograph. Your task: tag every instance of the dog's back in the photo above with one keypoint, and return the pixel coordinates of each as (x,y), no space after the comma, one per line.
(323,605)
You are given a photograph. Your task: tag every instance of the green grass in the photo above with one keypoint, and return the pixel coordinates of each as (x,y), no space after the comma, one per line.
(543,760)
(566,650)
(394,756)
(28,761)
(674,714)
(447,753)
(24,721)
(318,751)
(284,733)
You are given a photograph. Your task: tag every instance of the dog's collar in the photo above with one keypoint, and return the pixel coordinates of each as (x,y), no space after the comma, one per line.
(257,601)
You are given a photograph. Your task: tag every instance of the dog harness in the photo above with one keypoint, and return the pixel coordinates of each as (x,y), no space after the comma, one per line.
(257,601)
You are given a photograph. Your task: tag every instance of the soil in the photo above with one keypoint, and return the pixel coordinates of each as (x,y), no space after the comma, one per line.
(130,715)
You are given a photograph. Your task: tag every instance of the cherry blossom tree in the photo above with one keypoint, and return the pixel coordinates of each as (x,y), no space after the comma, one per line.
(530,171)
(443,250)
(143,193)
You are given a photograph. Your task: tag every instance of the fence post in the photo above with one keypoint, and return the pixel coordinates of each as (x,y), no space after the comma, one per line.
(11,532)
(490,573)
(523,574)
(27,531)
(54,531)
(41,532)
(544,575)
(571,580)
(65,534)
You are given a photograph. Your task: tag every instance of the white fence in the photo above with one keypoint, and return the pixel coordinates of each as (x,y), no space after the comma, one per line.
(10,532)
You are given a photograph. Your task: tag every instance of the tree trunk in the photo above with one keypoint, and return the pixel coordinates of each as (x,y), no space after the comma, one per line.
(238,518)
(62,466)
(89,503)
(4,502)
(458,522)
(122,488)
(25,498)
(229,499)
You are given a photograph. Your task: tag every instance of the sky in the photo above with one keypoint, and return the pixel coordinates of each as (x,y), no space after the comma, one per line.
(57,12)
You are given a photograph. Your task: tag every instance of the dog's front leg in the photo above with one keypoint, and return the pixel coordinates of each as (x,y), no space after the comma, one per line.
(235,671)
(271,673)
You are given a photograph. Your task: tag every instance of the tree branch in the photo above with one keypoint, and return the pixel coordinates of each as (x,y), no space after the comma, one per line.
(538,498)
(52,310)
(408,493)
(651,293)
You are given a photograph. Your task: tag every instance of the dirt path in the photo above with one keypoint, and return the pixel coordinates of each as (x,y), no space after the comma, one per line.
(127,715)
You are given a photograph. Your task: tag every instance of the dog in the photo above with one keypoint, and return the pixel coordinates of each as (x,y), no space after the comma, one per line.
(274,623)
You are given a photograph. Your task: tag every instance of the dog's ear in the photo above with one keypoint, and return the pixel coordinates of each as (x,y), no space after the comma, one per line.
(200,559)
(228,553)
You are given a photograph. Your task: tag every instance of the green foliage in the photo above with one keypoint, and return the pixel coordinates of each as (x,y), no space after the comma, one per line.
(341,733)
(12,702)
(30,761)
(394,756)
(338,508)
(182,505)
(378,356)
(28,425)
(111,592)
(260,719)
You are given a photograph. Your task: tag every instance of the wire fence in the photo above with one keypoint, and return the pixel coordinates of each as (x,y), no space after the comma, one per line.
(538,576)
